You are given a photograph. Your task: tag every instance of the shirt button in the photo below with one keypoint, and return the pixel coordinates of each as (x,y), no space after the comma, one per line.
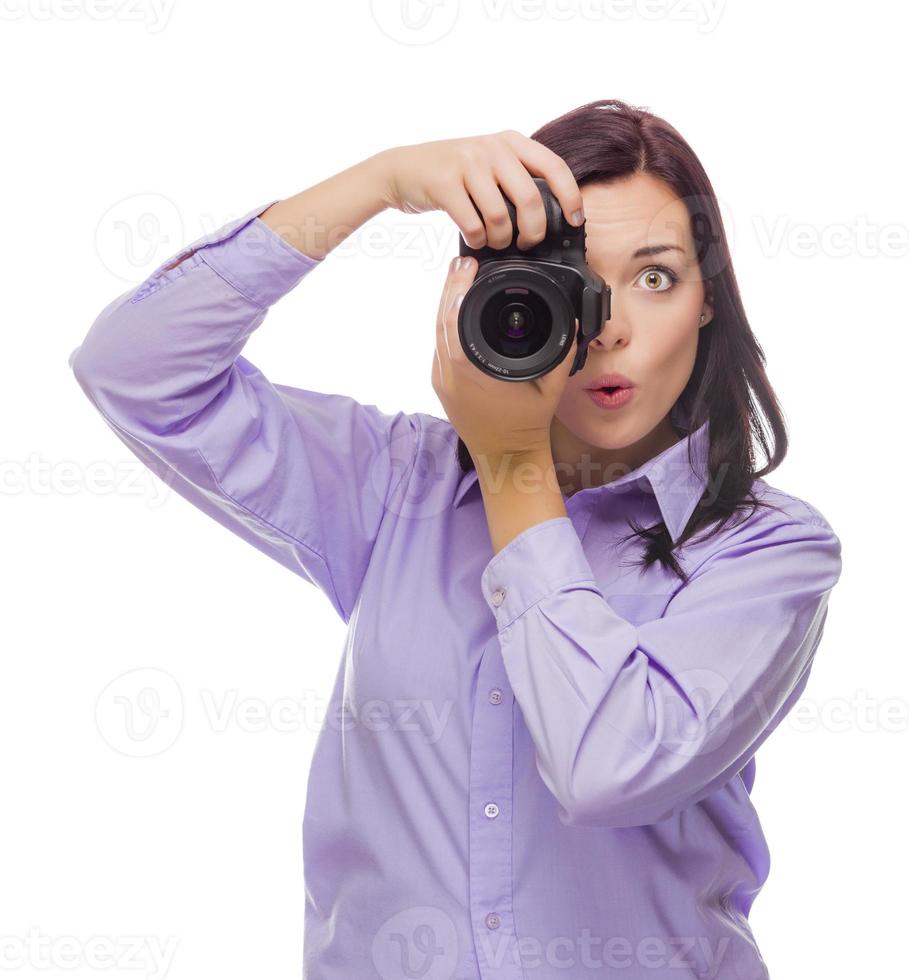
(498,597)
(491,810)
(493,921)
(495,695)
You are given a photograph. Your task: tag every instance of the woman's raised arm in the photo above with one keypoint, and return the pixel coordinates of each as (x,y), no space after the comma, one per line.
(305,477)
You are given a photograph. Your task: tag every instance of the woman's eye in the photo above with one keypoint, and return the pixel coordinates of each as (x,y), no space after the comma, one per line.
(659,279)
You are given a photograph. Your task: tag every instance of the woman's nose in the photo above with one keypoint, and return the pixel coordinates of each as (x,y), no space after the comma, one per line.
(613,334)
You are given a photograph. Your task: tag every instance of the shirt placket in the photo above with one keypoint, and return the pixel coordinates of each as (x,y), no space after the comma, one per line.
(491,795)
(490,821)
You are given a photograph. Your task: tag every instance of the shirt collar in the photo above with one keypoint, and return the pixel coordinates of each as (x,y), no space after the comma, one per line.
(676,485)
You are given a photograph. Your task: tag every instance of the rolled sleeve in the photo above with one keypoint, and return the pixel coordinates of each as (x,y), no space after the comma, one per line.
(258,262)
(534,564)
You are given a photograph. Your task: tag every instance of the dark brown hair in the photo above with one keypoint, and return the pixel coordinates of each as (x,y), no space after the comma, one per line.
(606,140)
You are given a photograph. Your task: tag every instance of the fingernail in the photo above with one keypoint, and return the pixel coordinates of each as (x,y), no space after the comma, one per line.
(458,300)
(577,218)
(455,262)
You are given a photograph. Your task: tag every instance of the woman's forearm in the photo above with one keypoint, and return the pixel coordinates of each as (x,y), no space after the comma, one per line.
(317,219)
(519,491)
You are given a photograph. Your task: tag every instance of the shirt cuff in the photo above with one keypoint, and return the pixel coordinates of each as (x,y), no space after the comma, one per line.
(539,561)
(254,258)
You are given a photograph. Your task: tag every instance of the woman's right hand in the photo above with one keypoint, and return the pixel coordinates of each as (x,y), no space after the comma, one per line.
(443,175)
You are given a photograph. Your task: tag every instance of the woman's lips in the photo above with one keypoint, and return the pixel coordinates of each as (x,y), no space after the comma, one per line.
(611,379)
(610,398)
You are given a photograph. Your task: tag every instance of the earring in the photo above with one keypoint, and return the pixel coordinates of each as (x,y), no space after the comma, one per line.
(702,318)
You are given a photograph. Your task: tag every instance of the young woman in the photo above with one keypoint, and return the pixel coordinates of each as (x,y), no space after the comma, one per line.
(573,617)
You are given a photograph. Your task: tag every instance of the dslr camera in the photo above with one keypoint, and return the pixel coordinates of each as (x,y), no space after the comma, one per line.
(517,319)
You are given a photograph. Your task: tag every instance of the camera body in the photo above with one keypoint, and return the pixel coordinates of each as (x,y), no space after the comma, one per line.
(517,319)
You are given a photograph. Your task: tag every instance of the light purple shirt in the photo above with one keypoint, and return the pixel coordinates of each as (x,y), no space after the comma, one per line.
(536,764)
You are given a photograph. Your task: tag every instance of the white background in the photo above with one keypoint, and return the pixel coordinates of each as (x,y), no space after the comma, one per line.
(132,129)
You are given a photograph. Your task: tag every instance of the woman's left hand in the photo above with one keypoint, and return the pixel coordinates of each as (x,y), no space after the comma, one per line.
(495,418)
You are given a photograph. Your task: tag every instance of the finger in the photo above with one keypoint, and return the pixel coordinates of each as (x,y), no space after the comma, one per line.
(543,162)
(487,196)
(441,346)
(457,280)
(461,280)
(446,290)
(456,201)
(518,186)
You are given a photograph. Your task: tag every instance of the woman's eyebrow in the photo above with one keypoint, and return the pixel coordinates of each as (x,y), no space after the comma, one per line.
(655,250)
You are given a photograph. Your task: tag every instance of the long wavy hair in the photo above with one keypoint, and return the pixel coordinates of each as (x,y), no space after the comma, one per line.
(609,139)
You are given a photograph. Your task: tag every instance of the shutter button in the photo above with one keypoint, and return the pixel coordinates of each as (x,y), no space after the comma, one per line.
(498,597)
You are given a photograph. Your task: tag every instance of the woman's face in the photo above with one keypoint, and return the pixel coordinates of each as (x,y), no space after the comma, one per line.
(652,334)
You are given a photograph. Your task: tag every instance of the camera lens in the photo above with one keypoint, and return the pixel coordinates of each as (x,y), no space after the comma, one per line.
(516,322)
(515,318)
